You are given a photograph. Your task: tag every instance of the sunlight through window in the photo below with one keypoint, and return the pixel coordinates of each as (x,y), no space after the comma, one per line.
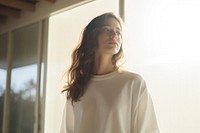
(162,43)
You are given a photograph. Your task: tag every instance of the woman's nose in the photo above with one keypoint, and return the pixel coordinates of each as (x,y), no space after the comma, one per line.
(113,33)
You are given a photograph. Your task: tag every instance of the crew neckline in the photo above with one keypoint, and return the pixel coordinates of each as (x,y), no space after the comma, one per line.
(104,76)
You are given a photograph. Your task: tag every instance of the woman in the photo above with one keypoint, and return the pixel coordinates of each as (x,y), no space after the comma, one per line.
(101,97)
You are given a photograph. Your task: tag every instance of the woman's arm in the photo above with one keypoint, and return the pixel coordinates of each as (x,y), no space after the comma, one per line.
(67,125)
(144,118)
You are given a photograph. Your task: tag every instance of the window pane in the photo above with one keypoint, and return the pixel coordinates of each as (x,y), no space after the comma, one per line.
(3,67)
(163,45)
(23,79)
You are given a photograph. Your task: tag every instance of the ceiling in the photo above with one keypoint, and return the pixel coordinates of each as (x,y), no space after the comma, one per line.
(13,8)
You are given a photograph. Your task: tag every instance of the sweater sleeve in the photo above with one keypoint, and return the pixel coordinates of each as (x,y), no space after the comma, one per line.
(144,118)
(67,124)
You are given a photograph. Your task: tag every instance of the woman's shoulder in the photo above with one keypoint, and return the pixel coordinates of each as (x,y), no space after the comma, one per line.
(133,79)
(130,75)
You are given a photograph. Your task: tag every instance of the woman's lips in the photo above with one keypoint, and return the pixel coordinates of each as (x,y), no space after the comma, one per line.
(112,42)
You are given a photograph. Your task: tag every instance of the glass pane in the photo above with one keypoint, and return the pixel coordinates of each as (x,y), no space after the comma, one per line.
(3,67)
(163,45)
(23,79)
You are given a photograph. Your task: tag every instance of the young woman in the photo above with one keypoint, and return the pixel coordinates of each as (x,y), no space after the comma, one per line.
(101,97)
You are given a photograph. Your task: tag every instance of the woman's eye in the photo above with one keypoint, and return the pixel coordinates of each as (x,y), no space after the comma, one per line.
(107,30)
(118,32)
(110,31)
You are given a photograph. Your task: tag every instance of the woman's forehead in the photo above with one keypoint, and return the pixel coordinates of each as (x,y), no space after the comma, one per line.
(112,22)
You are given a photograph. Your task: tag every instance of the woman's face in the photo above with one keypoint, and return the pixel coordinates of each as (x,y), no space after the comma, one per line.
(110,38)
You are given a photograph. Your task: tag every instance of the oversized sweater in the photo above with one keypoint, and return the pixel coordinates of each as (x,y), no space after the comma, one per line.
(117,102)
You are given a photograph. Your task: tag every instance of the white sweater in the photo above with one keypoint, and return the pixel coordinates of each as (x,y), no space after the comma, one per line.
(117,102)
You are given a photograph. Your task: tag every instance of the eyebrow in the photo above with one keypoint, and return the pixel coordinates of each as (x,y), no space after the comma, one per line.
(110,26)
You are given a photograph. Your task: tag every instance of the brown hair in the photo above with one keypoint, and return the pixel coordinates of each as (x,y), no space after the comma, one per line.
(83,57)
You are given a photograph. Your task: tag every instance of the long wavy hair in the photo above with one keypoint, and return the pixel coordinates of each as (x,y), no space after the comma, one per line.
(82,65)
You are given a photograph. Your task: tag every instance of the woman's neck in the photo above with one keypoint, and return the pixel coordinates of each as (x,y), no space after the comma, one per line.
(103,66)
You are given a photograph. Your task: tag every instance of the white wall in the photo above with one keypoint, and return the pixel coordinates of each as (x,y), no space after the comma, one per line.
(163,43)
(64,31)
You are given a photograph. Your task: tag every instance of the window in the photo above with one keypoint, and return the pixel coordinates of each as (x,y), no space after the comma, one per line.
(3,72)
(163,43)
(24,69)
(24,79)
